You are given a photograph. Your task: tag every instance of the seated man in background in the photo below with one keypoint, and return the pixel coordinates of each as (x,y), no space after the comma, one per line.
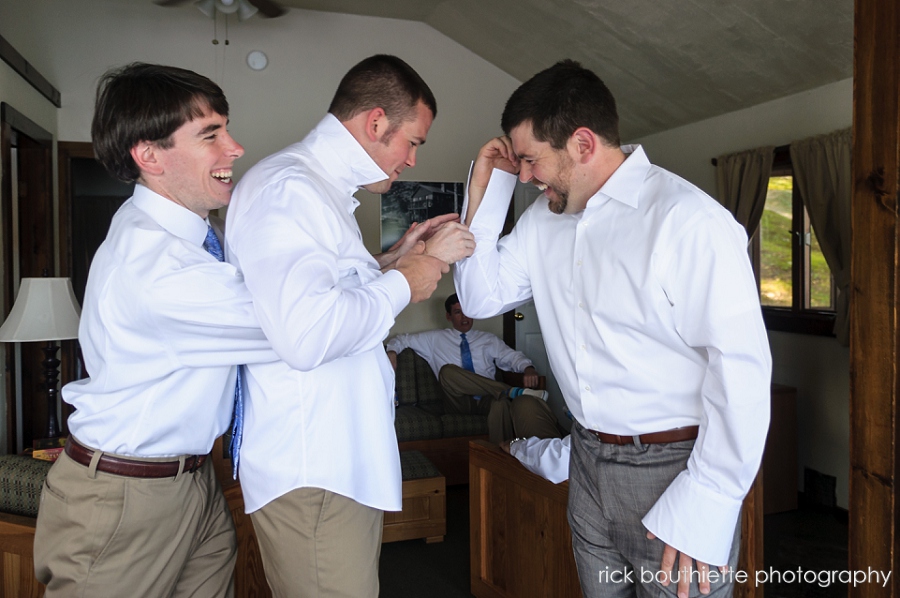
(465,362)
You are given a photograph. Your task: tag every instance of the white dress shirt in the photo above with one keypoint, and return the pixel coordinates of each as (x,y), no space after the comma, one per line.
(440,347)
(650,313)
(162,327)
(324,416)
(547,457)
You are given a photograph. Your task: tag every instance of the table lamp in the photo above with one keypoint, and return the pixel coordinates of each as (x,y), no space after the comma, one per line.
(45,310)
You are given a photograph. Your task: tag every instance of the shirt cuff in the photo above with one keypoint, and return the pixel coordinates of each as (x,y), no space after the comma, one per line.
(397,290)
(491,214)
(695,520)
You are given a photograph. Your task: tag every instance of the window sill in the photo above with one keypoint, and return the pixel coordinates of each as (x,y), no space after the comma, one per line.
(820,323)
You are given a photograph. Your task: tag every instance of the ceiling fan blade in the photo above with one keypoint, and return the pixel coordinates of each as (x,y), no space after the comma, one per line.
(170,2)
(268,8)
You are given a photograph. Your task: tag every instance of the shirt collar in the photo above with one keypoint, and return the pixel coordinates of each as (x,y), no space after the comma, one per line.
(174,218)
(341,156)
(625,183)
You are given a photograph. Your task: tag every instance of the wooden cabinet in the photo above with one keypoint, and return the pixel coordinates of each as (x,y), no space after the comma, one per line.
(520,543)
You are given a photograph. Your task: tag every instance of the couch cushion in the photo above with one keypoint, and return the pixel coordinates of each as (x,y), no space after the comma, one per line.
(21,480)
(455,424)
(405,377)
(411,423)
(415,465)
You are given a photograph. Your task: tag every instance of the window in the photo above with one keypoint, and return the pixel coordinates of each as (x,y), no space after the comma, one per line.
(796,287)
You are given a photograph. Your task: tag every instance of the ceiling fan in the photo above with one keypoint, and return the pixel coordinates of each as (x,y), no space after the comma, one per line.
(244,8)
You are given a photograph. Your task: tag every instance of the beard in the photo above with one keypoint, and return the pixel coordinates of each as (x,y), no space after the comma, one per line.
(561,185)
(558,206)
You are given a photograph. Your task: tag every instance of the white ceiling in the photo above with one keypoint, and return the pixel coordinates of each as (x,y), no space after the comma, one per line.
(668,62)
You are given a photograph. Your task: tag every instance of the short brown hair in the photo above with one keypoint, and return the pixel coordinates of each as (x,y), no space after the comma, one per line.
(382,81)
(147,102)
(559,100)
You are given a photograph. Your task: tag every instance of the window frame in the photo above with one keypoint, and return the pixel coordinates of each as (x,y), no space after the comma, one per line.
(799,318)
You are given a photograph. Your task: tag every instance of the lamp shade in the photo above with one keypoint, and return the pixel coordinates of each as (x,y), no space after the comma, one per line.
(45,310)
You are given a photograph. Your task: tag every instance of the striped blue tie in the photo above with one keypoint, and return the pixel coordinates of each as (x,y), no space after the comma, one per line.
(213,246)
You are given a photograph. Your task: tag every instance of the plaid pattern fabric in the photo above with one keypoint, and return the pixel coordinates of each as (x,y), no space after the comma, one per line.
(411,423)
(21,480)
(456,424)
(405,377)
(414,465)
(428,389)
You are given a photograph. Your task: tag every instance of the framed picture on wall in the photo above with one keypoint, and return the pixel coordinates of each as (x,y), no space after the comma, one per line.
(411,201)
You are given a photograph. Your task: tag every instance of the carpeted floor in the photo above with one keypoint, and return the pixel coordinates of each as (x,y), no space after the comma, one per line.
(798,543)
(414,569)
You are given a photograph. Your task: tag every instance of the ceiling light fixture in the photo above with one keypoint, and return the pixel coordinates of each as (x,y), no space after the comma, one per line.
(244,9)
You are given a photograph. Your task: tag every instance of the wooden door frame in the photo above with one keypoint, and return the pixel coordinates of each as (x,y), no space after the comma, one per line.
(875,289)
(36,240)
(66,151)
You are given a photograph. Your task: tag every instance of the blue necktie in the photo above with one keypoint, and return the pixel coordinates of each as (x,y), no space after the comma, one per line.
(466,353)
(214,248)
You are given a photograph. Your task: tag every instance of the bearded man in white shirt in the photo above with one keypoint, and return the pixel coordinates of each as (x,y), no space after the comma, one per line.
(319,460)
(650,313)
(133,507)
(465,362)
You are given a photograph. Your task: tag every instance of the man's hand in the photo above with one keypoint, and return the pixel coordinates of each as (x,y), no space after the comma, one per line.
(392,357)
(417,231)
(530,377)
(422,272)
(496,153)
(685,565)
(505,446)
(451,243)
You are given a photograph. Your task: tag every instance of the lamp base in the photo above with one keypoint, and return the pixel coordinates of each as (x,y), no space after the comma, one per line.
(51,374)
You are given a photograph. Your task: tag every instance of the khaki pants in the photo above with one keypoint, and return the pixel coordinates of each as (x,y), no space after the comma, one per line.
(318,544)
(523,416)
(102,535)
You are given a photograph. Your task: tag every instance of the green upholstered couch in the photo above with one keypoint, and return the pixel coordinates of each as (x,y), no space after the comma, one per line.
(21,480)
(422,424)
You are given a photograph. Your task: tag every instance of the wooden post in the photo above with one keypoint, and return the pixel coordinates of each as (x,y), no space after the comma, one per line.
(875,337)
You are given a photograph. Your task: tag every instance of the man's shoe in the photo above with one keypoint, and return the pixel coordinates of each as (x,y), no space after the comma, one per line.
(540,394)
(516,391)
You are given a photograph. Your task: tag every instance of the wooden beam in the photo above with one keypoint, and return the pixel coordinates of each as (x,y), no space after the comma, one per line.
(11,56)
(875,335)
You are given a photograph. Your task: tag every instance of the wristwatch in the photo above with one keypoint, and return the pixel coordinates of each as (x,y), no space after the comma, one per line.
(513,441)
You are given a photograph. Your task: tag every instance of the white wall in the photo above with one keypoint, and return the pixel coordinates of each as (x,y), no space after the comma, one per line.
(817,366)
(73,42)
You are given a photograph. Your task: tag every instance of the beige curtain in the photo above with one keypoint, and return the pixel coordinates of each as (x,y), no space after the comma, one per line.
(822,174)
(742,180)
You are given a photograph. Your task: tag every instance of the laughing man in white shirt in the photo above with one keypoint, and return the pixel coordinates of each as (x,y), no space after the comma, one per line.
(319,461)
(650,313)
(133,507)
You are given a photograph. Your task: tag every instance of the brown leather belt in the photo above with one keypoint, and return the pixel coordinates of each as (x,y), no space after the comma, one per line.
(130,467)
(674,435)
